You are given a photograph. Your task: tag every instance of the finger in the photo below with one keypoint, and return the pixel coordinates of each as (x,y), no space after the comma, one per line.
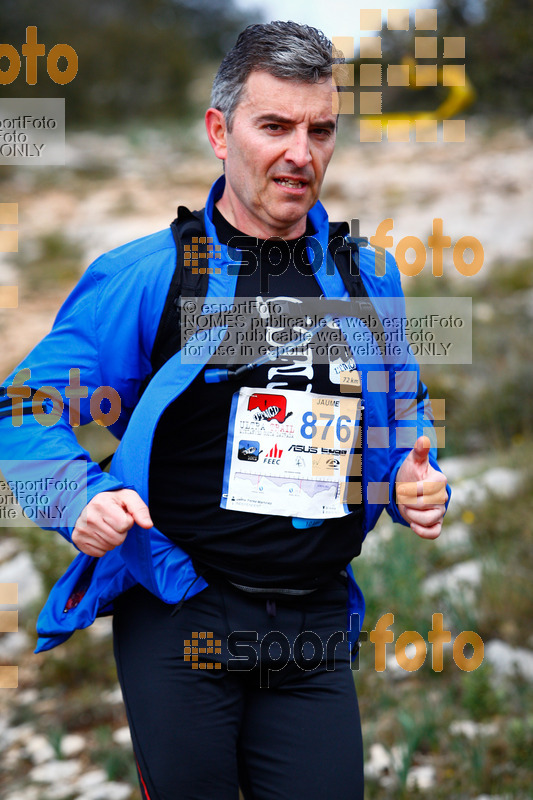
(421,449)
(107,506)
(87,546)
(427,532)
(106,536)
(91,550)
(407,492)
(421,493)
(100,534)
(425,517)
(434,492)
(138,509)
(118,523)
(117,518)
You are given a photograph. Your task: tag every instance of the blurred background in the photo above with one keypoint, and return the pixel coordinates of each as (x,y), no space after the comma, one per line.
(135,149)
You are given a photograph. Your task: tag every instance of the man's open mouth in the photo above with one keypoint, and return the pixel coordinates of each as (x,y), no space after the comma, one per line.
(291,183)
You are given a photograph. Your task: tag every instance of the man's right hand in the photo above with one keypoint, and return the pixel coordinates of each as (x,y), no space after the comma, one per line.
(105,521)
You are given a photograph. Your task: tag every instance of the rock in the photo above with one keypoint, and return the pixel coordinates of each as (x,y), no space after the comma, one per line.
(3,737)
(379,763)
(122,736)
(482,312)
(12,645)
(506,661)
(55,771)
(422,777)
(8,273)
(8,548)
(499,481)
(21,570)
(463,578)
(26,697)
(471,729)
(102,628)
(112,696)
(468,493)
(384,764)
(454,538)
(111,790)
(72,745)
(89,780)
(59,791)
(21,734)
(30,793)
(394,669)
(94,785)
(11,759)
(39,749)
(493,797)
(456,468)
(503,482)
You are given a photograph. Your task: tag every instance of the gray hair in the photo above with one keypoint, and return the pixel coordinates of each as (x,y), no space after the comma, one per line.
(283,49)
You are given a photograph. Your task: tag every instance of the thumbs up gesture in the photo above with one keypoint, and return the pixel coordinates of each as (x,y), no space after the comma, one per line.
(421,492)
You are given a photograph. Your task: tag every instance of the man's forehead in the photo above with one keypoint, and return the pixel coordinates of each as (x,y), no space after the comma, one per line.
(266,95)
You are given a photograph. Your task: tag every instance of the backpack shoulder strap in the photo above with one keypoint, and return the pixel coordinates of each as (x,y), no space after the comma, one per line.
(345,253)
(187,281)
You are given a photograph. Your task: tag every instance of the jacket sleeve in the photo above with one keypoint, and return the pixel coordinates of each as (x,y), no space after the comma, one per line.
(409,408)
(98,343)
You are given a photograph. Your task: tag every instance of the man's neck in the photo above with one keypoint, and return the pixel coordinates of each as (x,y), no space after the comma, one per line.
(226,231)
(259,233)
(251,227)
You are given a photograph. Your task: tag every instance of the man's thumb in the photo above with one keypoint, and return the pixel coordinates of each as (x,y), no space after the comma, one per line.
(421,449)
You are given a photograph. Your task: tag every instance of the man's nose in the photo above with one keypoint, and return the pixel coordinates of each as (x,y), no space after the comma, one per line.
(298,150)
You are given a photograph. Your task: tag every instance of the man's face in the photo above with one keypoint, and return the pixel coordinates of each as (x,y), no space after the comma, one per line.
(276,155)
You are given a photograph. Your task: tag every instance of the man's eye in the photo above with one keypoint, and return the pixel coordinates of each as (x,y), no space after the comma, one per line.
(273,126)
(324,132)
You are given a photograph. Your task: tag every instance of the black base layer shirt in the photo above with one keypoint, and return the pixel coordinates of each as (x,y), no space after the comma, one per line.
(189,448)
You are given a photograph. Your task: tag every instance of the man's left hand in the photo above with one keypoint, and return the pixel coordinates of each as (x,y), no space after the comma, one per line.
(421,491)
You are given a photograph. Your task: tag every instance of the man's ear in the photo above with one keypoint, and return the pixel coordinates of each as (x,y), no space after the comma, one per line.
(215,124)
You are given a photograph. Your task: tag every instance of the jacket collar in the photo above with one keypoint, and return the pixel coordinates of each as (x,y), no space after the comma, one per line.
(317,244)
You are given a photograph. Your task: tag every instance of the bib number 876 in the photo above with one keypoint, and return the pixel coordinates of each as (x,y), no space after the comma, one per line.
(343,429)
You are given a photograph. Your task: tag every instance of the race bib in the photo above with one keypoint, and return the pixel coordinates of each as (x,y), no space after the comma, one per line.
(288,453)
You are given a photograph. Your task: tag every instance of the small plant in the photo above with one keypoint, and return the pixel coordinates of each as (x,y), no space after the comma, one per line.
(117,761)
(58,260)
(478,697)
(55,735)
(419,733)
